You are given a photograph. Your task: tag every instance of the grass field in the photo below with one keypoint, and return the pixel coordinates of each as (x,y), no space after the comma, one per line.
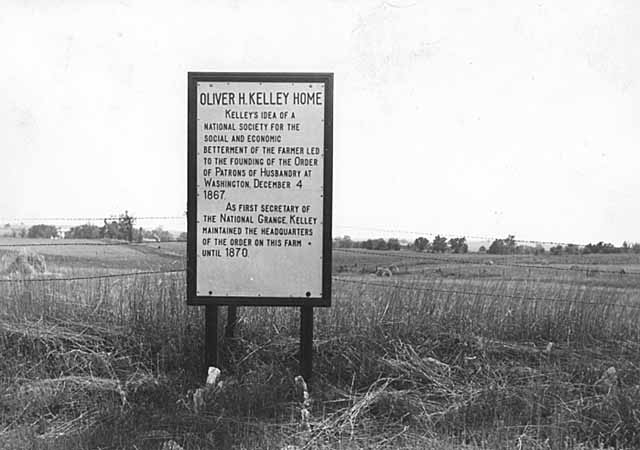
(451,352)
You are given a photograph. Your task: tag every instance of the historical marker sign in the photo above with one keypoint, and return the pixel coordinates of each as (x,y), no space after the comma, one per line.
(259,181)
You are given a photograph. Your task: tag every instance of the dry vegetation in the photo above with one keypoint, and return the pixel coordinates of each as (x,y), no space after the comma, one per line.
(444,356)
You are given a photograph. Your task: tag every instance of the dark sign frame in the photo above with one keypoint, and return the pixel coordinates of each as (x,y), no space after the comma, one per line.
(192,213)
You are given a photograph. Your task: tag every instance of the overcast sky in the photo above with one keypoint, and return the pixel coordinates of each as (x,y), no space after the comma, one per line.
(480,118)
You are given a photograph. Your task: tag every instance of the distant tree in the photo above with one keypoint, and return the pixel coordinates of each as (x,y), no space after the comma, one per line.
(572,249)
(182,236)
(600,247)
(7,225)
(482,249)
(110,230)
(375,244)
(421,244)
(393,244)
(139,235)
(42,231)
(524,249)
(510,243)
(379,244)
(343,242)
(458,245)
(122,228)
(439,244)
(556,250)
(86,231)
(497,247)
(505,246)
(530,250)
(162,235)
(125,222)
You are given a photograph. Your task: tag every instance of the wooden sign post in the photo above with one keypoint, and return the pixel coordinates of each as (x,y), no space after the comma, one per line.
(306,341)
(211,335)
(260,151)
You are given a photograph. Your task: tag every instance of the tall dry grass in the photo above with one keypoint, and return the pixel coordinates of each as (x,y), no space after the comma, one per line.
(111,362)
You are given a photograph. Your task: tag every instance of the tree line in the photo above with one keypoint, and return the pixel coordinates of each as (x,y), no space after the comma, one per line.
(508,246)
(119,228)
(505,246)
(440,244)
(600,247)
(122,228)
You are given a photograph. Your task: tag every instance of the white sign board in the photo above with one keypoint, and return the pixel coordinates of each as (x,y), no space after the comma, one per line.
(259,203)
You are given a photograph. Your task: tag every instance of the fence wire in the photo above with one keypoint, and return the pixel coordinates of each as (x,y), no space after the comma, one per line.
(391,255)
(86,244)
(80,219)
(412,287)
(354,227)
(395,284)
(91,277)
(425,258)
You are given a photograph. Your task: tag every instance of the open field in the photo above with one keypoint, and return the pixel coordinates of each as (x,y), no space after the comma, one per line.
(67,255)
(452,352)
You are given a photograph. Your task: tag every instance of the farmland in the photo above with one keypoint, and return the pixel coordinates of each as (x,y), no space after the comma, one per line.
(451,351)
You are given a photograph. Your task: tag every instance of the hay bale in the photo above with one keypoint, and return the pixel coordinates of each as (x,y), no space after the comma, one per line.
(27,264)
(22,269)
(382,272)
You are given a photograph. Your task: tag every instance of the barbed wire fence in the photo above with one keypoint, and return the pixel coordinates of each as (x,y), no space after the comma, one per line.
(19,220)
(396,256)
(22,220)
(394,285)
(426,258)
(389,254)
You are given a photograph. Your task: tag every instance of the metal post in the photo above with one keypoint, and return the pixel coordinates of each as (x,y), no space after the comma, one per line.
(232,318)
(211,336)
(306,342)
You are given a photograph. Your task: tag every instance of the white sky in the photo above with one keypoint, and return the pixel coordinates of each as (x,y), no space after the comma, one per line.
(481,118)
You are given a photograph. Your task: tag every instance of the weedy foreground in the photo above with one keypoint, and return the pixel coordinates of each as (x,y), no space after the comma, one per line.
(442,356)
